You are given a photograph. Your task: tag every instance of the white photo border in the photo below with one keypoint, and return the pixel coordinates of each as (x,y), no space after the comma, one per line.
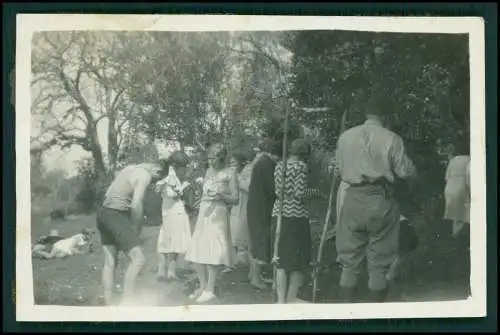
(27,24)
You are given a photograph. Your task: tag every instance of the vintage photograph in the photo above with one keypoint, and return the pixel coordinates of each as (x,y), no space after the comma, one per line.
(250,166)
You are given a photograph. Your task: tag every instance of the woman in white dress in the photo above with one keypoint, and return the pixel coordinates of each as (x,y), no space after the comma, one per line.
(211,241)
(175,233)
(239,229)
(457,191)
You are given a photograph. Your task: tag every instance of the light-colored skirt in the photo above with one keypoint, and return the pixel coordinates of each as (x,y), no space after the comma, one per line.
(457,200)
(211,241)
(175,232)
(239,226)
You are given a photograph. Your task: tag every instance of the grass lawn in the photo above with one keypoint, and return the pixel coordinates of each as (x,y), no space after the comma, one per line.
(434,272)
(76,280)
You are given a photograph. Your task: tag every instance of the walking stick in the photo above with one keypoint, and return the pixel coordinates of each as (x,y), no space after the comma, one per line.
(275,259)
(333,190)
(322,241)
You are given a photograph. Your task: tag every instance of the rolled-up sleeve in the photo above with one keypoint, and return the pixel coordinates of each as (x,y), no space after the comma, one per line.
(336,163)
(402,164)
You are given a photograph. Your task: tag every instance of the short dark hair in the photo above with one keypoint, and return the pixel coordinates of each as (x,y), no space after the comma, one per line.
(302,148)
(379,103)
(271,146)
(219,150)
(462,146)
(178,158)
(239,155)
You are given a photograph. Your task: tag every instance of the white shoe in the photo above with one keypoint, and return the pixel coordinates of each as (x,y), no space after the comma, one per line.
(205,296)
(195,294)
(266,280)
(227,270)
(172,276)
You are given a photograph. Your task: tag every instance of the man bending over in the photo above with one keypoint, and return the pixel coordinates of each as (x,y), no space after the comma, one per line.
(119,221)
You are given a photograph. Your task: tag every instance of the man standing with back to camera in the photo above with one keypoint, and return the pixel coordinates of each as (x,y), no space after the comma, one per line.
(119,221)
(370,158)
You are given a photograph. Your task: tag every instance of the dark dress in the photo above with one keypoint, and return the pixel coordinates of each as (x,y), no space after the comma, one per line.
(294,250)
(191,198)
(260,203)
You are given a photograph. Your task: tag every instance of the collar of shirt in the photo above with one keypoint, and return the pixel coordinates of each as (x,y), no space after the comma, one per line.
(373,123)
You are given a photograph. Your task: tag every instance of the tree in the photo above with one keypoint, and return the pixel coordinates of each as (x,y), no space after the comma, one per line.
(37,172)
(76,87)
(179,75)
(339,70)
(219,82)
(426,76)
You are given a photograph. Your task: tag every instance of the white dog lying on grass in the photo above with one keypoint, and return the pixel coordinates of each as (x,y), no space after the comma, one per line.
(56,247)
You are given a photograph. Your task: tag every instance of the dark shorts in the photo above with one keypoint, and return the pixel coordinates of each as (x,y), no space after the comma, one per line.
(117,229)
(294,250)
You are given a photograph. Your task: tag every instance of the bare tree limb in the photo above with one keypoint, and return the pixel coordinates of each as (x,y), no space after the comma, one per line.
(116,99)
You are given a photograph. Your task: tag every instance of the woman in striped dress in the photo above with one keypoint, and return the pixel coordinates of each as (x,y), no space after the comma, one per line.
(294,249)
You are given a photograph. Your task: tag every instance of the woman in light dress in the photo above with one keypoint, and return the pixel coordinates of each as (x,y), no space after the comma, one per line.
(457,189)
(211,240)
(242,163)
(175,233)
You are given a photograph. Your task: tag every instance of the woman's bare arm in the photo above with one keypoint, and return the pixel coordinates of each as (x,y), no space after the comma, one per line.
(233,198)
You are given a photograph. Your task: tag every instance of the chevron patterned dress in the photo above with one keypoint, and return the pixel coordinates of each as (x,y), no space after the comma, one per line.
(295,240)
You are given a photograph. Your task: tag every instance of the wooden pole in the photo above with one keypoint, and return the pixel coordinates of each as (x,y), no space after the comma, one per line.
(323,238)
(275,259)
(333,190)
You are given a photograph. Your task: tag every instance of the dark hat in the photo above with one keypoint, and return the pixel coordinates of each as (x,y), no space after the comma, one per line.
(300,147)
(380,103)
(179,158)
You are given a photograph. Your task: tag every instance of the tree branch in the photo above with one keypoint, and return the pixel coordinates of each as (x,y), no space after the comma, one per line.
(76,94)
(102,116)
(115,100)
(43,147)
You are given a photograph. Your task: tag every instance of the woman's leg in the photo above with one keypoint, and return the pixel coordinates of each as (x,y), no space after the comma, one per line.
(296,282)
(209,290)
(281,284)
(172,265)
(201,272)
(162,265)
(250,267)
(213,273)
(256,280)
(231,267)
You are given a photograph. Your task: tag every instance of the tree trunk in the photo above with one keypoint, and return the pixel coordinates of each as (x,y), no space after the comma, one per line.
(112,144)
(96,151)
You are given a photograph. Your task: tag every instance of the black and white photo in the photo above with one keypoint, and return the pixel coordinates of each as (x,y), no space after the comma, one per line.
(205,167)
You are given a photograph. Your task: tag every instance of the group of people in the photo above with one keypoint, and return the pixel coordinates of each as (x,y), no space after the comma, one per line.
(239,203)
(232,216)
